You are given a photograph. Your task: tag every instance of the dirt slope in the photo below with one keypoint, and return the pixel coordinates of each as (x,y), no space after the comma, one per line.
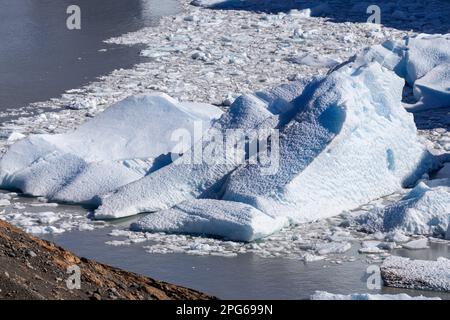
(31,268)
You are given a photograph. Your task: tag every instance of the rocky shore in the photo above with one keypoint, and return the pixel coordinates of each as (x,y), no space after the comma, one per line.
(35,269)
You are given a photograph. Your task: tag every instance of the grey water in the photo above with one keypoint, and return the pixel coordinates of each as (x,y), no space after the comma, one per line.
(40,57)
(246,276)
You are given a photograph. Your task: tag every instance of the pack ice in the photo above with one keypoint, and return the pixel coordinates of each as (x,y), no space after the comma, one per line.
(402,272)
(113,149)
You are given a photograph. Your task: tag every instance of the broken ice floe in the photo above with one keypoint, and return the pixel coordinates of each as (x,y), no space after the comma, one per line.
(416,274)
(330,122)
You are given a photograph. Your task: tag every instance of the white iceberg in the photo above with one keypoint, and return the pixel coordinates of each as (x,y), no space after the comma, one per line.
(416,274)
(230,220)
(424,210)
(115,148)
(201,176)
(352,142)
(423,61)
(323,295)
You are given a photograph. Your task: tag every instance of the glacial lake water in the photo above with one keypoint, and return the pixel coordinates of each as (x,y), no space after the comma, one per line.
(40,57)
(246,276)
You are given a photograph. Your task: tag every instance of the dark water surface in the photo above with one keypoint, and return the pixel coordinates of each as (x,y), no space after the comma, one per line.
(246,276)
(40,57)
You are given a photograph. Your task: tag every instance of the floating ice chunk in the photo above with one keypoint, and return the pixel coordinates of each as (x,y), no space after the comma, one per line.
(194,174)
(322,295)
(351,133)
(396,236)
(416,274)
(105,152)
(417,244)
(424,210)
(43,230)
(230,220)
(332,247)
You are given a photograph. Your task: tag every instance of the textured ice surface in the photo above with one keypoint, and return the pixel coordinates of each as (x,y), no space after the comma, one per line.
(424,210)
(186,180)
(416,274)
(424,61)
(230,220)
(351,133)
(115,148)
(322,295)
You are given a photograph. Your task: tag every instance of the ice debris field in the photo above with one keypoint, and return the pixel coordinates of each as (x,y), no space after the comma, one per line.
(362,112)
(345,139)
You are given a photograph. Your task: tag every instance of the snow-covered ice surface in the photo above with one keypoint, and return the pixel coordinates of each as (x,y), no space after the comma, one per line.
(111,150)
(321,295)
(416,274)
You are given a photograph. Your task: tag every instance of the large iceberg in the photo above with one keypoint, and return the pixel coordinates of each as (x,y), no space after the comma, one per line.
(424,210)
(402,272)
(351,142)
(113,149)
